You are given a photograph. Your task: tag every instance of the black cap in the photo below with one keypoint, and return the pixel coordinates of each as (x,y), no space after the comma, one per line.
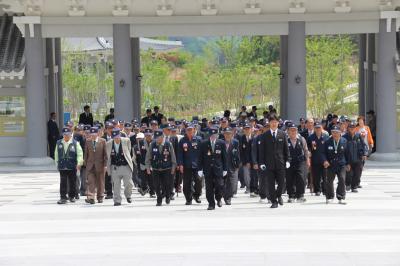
(228,130)
(86,127)
(148,131)
(291,125)
(335,128)
(213,130)
(128,125)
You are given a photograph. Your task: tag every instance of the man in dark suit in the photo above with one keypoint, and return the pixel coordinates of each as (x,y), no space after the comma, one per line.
(86,118)
(110,115)
(274,158)
(147,119)
(157,115)
(53,134)
(233,164)
(213,166)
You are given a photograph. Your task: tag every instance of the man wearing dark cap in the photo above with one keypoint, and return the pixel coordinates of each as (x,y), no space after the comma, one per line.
(68,157)
(253,112)
(357,154)
(336,163)
(316,146)
(187,159)
(141,149)
(233,164)
(246,141)
(95,159)
(213,166)
(161,163)
(107,180)
(296,173)
(274,159)
(120,165)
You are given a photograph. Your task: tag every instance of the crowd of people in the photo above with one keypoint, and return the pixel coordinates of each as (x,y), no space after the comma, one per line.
(161,156)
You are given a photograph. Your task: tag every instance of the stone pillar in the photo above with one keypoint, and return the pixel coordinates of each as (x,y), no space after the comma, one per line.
(123,80)
(58,81)
(296,98)
(370,79)
(386,129)
(51,86)
(361,74)
(137,94)
(36,117)
(283,76)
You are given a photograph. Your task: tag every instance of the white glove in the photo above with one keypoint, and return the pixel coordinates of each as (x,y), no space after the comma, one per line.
(263,167)
(224,173)
(287,165)
(200,173)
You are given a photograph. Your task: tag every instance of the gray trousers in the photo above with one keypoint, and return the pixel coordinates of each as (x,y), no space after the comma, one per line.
(123,173)
(247,177)
(231,184)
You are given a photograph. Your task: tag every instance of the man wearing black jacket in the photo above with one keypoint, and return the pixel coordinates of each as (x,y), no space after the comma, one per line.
(357,154)
(212,165)
(53,134)
(233,163)
(86,118)
(274,159)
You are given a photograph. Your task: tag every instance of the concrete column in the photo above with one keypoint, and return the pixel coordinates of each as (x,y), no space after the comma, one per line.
(386,92)
(123,80)
(36,150)
(284,76)
(370,79)
(58,81)
(137,93)
(296,98)
(361,73)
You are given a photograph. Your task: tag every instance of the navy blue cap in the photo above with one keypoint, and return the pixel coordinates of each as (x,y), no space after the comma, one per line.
(116,133)
(94,130)
(317,124)
(86,127)
(189,125)
(154,122)
(247,125)
(335,128)
(69,123)
(233,125)
(213,130)
(109,124)
(291,125)
(66,131)
(173,128)
(127,125)
(228,130)
(352,124)
(148,131)
(158,133)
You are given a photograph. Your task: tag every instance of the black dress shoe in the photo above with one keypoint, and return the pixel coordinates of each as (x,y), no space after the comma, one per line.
(172,197)
(62,201)
(117,204)
(197,200)
(152,196)
(72,200)
(274,205)
(280,201)
(228,202)
(129,200)
(109,197)
(167,200)
(210,208)
(188,203)
(99,200)
(219,203)
(90,201)
(318,194)
(158,204)
(77,197)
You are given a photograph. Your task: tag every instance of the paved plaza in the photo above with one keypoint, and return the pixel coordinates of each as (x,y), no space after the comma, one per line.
(34,230)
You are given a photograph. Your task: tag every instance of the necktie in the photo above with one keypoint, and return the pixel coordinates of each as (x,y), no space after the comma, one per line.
(94,145)
(273,135)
